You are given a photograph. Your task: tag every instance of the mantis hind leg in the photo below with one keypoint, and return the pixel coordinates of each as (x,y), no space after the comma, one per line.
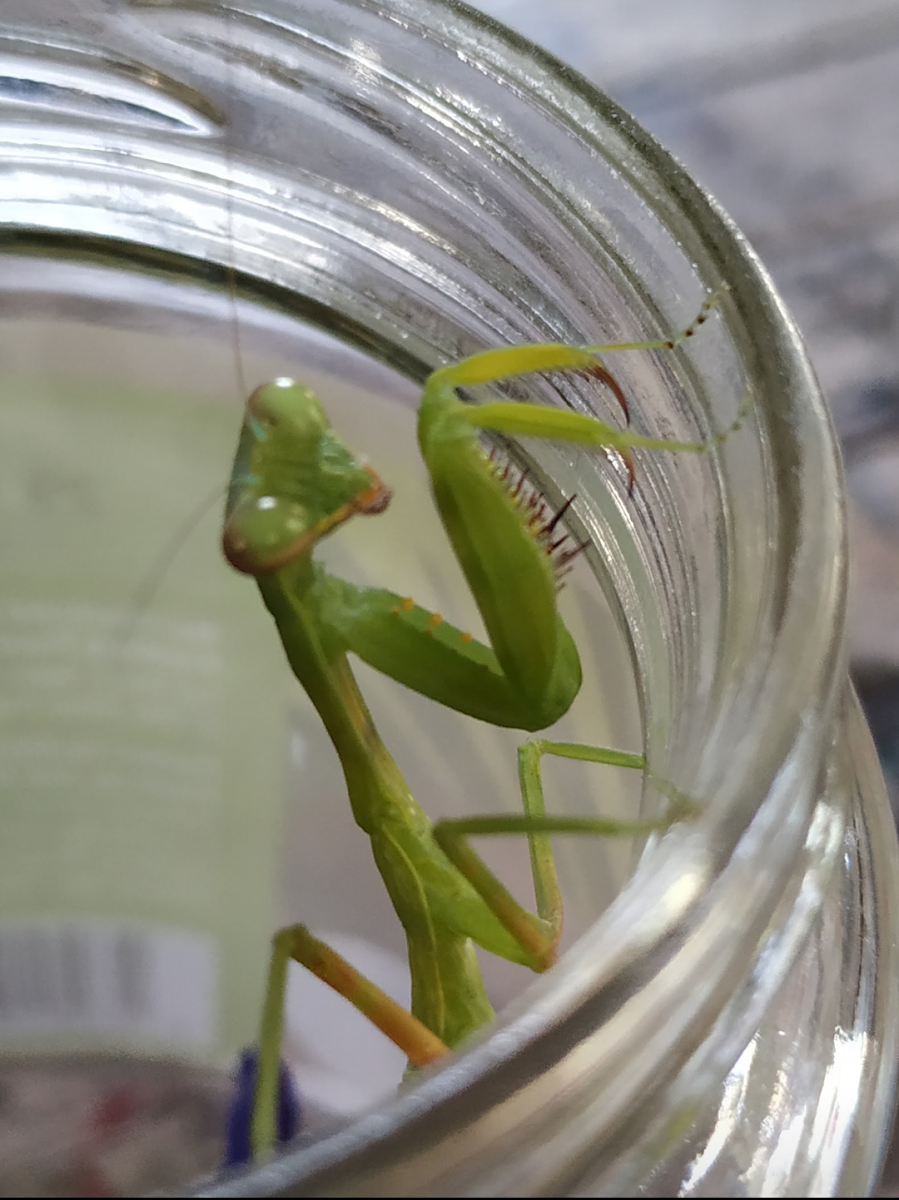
(538,933)
(296,943)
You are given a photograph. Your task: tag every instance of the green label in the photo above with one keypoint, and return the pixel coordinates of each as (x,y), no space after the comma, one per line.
(142,725)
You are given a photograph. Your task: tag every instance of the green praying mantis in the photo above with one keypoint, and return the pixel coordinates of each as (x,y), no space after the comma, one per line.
(294,482)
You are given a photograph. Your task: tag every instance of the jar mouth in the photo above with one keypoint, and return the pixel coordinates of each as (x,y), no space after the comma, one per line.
(759,719)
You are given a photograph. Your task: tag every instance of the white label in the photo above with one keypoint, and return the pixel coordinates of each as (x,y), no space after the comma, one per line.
(82,977)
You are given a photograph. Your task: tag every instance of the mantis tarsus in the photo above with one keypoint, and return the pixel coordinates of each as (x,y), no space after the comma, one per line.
(294,482)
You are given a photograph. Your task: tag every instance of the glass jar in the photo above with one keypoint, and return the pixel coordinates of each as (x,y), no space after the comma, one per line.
(423,184)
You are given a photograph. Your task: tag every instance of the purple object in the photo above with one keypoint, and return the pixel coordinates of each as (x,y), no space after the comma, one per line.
(237,1131)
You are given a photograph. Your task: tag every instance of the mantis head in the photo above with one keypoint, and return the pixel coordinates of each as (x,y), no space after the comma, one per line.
(293,482)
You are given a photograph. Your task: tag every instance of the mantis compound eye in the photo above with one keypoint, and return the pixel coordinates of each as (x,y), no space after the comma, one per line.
(285,407)
(263,533)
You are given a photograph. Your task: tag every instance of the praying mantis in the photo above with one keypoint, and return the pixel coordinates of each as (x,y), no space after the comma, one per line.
(294,482)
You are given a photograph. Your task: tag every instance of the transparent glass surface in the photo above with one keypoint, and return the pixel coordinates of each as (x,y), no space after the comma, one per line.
(392,186)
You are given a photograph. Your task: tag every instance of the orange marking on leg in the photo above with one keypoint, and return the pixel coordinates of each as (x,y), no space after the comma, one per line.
(435,619)
(466,637)
(408,604)
(375,499)
(417,1041)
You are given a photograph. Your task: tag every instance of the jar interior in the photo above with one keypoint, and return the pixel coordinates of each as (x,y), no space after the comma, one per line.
(118,443)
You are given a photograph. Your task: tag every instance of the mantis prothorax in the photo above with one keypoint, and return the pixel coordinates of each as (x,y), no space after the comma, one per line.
(294,482)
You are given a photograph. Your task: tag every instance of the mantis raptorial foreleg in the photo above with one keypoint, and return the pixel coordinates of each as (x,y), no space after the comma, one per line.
(294,482)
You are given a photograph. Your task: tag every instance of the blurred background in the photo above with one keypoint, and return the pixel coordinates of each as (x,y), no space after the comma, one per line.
(788,112)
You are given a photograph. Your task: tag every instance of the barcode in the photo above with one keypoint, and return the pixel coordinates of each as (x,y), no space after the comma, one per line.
(107,978)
